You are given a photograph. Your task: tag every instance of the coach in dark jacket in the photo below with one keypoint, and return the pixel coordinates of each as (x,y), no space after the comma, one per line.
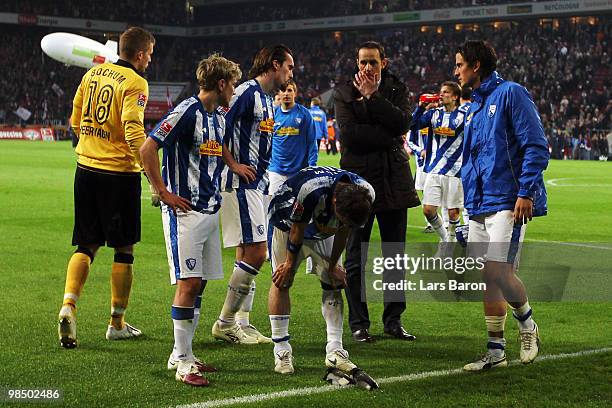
(373,114)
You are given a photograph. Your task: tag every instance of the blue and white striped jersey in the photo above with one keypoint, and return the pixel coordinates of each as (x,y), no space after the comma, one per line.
(417,142)
(192,142)
(249,124)
(444,145)
(307,197)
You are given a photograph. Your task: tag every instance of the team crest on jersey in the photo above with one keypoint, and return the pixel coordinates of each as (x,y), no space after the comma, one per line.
(298,120)
(191,263)
(266,125)
(211,148)
(142,100)
(492,109)
(260,229)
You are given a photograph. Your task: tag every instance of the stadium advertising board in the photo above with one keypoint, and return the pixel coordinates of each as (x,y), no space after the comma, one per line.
(161,98)
(45,134)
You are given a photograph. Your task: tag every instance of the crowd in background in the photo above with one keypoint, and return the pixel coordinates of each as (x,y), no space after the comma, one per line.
(565,66)
(297,9)
(181,12)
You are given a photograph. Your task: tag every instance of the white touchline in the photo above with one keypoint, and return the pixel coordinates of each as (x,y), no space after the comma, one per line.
(300,392)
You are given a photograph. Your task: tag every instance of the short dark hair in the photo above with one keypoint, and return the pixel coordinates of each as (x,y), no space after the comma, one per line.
(133,40)
(266,56)
(455,88)
(466,92)
(481,51)
(372,45)
(353,202)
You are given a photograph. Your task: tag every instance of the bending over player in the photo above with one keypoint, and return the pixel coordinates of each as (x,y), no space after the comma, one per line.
(312,215)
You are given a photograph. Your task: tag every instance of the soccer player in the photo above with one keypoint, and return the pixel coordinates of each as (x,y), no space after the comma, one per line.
(504,157)
(416,142)
(320,120)
(248,137)
(464,106)
(443,157)
(107,116)
(294,143)
(312,215)
(191,136)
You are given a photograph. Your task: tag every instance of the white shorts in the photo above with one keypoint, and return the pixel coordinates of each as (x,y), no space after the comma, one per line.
(243,216)
(496,237)
(192,245)
(419,178)
(441,190)
(319,250)
(276,180)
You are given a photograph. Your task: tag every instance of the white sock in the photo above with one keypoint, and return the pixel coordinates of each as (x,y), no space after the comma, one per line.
(238,288)
(309,265)
(445,218)
(280,332)
(331,308)
(497,346)
(453,224)
(466,216)
(182,318)
(242,316)
(436,223)
(523,317)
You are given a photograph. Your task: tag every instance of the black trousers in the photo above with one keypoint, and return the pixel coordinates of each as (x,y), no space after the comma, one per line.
(392,226)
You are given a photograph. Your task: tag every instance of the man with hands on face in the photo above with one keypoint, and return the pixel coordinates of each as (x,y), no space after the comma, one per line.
(312,214)
(373,116)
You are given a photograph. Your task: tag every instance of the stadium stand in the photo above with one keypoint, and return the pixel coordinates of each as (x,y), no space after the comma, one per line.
(564,62)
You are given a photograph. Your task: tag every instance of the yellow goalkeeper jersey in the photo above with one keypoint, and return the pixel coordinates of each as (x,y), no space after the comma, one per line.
(108,116)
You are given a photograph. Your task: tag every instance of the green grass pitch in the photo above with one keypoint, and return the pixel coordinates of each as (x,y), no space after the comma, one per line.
(35,232)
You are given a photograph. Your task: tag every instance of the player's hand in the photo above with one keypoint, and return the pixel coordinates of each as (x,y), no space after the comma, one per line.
(423,153)
(428,106)
(337,276)
(366,84)
(523,210)
(247,173)
(155,199)
(175,202)
(283,276)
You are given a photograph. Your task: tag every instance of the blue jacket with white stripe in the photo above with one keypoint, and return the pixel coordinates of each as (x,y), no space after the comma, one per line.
(505,150)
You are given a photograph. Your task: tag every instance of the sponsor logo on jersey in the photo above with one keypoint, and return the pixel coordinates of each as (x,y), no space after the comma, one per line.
(191,263)
(444,131)
(317,118)
(142,100)
(266,125)
(288,131)
(211,148)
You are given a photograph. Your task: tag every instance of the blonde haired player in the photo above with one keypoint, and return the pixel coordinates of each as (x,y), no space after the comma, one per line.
(191,136)
(107,117)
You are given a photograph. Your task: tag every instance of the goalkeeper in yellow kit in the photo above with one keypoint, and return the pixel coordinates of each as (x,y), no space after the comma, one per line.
(108,117)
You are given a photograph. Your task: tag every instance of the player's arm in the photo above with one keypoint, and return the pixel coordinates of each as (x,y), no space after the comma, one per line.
(239,106)
(132,117)
(150,161)
(285,272)
(311,139)
(245,172)
(77,109)
(534,148)
(336,272)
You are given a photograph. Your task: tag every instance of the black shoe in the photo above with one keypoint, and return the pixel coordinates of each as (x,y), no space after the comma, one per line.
(400,333)
(363,336)
(428,229)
